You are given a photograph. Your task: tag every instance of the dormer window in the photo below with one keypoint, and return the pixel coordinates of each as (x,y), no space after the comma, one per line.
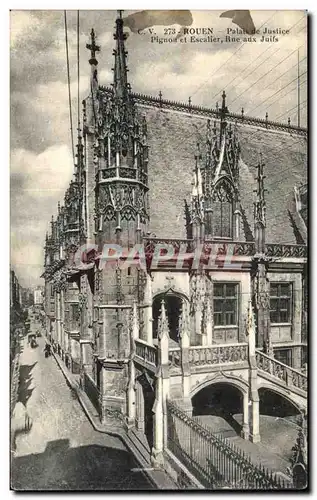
(219,212)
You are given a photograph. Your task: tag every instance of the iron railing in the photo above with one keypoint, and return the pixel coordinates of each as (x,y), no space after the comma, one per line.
(218,354)
(287,374)
(214,461)
(159,102)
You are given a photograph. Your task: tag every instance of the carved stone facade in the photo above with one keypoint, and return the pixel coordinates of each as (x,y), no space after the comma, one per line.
(140,334)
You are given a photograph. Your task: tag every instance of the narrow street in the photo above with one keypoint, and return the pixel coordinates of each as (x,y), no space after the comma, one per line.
(62,451)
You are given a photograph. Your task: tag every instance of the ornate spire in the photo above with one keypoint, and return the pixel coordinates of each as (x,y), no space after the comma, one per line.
(120,84)
(197,191)
(223,113)
(80,158)
(251,329)
(93,48)
(93,61)
(163,328)
(259,205)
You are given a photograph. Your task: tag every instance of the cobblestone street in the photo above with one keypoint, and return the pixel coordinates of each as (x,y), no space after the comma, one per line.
(62,451)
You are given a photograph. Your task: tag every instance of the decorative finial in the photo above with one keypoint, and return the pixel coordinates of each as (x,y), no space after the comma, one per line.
(224,111)
(223,99)
(120,84)
(259,205)
(163,328)
(198,152)
(93,48)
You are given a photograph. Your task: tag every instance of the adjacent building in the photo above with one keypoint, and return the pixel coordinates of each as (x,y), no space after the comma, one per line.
(38,296)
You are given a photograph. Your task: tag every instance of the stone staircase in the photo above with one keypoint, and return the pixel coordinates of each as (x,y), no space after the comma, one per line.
(273,370)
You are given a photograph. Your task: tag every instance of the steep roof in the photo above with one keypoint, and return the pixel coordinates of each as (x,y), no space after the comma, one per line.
(172,139)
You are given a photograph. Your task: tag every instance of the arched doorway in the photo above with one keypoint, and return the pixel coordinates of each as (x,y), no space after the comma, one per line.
(220,407)
(280,421)
(173,306)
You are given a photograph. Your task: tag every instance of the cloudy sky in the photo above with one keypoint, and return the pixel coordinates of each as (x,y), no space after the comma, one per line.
(41,161)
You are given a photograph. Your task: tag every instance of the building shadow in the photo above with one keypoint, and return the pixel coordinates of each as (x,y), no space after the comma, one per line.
(88,468)
(24,392)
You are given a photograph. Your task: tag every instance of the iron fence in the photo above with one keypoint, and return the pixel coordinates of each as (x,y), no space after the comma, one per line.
(214,461)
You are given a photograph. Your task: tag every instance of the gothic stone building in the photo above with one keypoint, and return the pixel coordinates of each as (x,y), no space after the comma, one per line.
(150,171)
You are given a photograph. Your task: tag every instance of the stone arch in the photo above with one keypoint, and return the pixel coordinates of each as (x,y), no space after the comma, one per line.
(171,291)
(237,382)
(222,403)
(282,394)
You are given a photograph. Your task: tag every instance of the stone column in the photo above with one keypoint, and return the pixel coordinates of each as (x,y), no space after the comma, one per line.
(263,305)
(236,224)
(131,393)
(58,318)
(254,426)
(148,313)
(102,332)
(209,323)
(255,420)
(245,426)
(139,408)
(62,306)
(158,441)
(161,390)
(185,344)
(297,358)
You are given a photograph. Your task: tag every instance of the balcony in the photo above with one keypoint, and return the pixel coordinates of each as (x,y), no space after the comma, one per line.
(146,353)
(198,356)
(122,172)
(286,374)
(290,251)
(217,252)
(218,354)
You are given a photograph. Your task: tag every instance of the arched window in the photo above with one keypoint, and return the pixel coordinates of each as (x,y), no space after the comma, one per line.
(219,212)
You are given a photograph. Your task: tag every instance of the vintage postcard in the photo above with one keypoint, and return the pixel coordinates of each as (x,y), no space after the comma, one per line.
(158,330)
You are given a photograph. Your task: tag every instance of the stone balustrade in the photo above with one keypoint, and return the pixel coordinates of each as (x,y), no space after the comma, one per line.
(146,352)
(290,251)
(285,373)
(218,354)
(174,357)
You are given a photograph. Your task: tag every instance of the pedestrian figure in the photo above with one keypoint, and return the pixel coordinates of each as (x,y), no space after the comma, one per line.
(47,350)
